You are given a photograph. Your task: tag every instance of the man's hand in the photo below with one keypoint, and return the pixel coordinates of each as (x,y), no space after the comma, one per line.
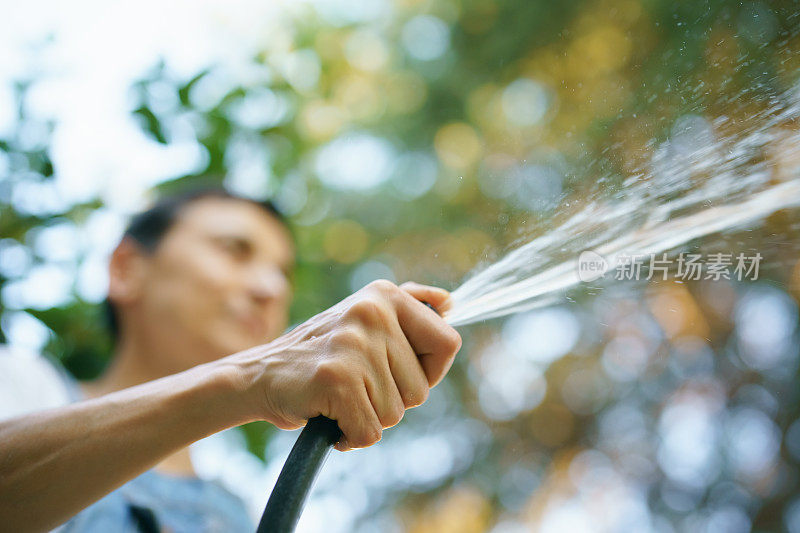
(362,362)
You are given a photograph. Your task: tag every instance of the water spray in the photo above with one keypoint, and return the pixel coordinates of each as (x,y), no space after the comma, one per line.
(692,189)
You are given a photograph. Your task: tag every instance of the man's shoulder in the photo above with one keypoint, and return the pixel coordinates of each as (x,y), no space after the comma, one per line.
(30,382)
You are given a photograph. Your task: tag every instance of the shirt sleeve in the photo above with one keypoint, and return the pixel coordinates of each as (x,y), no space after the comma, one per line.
(29,382)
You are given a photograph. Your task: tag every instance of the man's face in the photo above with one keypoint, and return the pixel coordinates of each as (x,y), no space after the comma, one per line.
(218,281)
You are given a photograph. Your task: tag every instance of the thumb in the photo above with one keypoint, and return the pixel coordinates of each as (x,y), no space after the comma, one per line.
(437,297)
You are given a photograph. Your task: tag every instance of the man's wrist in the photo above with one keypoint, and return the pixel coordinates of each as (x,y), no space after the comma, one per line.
(234,382)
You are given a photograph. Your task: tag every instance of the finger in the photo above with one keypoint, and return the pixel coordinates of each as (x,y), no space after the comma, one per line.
(384,395)
(406,369)
(439,298)
(433,340)
(359,423)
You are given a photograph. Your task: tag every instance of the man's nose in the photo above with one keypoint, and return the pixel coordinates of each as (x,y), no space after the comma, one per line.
(267,283)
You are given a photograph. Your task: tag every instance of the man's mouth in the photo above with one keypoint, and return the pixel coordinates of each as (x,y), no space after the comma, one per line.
(255,324)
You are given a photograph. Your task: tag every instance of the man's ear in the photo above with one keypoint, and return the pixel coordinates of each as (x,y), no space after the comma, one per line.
(126,272)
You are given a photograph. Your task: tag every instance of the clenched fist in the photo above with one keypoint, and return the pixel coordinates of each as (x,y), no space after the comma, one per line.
(362,362)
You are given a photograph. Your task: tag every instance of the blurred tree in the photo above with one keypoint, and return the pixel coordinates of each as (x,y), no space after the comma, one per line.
(400,147)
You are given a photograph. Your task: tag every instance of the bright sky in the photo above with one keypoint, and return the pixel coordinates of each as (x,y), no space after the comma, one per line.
(97,50)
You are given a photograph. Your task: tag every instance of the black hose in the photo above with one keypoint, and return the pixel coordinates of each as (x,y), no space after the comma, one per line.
(305,460)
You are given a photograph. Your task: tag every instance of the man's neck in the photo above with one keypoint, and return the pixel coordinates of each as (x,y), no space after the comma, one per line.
(129,367)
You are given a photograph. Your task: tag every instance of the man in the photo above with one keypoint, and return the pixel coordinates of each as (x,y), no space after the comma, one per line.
(198,287)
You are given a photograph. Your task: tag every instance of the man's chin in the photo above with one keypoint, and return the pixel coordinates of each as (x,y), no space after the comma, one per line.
(233,338)
(236,343)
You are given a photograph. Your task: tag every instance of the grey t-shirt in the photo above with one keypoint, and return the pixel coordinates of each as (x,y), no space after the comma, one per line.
(151,502)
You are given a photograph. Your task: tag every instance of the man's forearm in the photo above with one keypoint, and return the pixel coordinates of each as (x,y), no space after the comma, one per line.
(55,463)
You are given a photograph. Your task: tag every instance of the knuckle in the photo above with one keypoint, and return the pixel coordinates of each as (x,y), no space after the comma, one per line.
(367,437)
(349,338)
(373,435)
(383,285)
(327,372)
(452,341)
(394,415)
(331,375)
(418,396)
(408,285)
(367,310)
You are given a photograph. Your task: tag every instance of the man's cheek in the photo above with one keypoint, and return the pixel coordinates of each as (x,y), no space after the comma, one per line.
(199,310)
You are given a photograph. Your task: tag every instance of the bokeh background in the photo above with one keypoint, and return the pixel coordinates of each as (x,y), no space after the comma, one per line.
(413,139)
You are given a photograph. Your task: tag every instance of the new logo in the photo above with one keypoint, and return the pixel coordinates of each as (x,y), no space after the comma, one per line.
(591,266)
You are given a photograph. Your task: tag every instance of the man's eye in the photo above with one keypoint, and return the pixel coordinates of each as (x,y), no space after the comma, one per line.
(236,247)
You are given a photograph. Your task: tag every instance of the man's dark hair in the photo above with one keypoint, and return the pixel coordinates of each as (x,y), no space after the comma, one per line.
(148,228)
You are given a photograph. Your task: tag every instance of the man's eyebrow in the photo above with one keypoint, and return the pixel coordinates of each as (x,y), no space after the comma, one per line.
(223,235)
(286,265)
